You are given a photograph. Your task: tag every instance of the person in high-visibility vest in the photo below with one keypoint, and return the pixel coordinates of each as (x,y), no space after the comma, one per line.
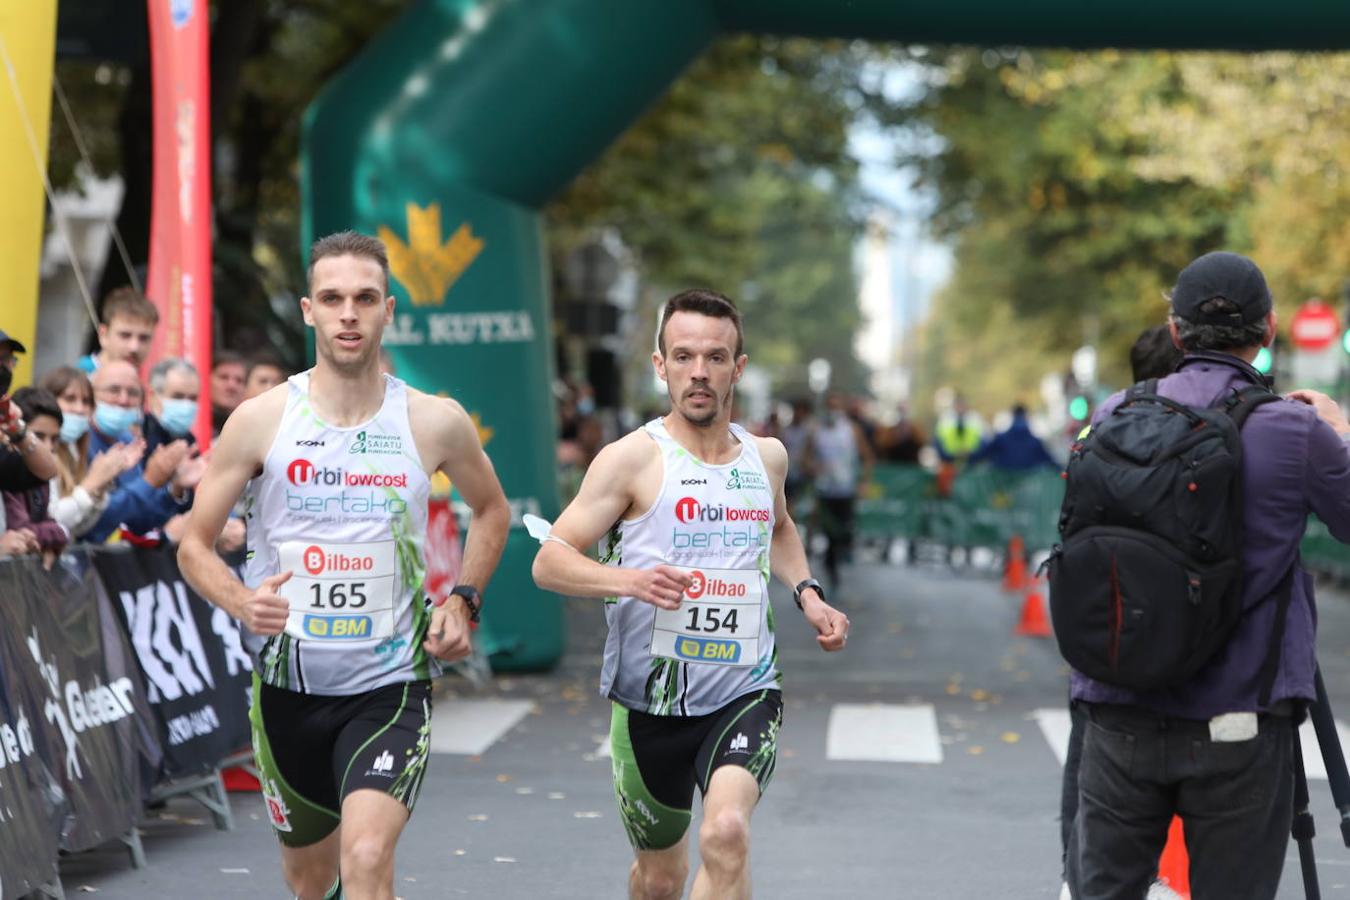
(957,435)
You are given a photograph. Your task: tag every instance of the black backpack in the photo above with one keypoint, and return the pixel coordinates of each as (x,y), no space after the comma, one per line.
(1147,584)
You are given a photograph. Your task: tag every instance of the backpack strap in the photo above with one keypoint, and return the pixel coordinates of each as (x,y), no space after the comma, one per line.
(1271,667)
(1241,403)
(1147,388)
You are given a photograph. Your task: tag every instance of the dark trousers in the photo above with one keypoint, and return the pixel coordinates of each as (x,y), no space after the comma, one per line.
(1235,800)
(836,520)
(1068,793)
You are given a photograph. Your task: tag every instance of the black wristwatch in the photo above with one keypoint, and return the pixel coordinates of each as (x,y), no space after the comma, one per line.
(471,599)
(808,584)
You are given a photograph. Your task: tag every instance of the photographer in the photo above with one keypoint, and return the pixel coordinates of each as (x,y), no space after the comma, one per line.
(25,462)
(1217,748)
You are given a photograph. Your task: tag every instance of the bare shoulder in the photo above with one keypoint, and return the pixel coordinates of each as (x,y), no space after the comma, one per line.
(252,427)
(438,416)
(772,451)
(628,456)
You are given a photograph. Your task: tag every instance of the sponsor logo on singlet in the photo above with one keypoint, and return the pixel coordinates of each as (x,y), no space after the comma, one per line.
(374,442)
(713,588)
(333,489)
(708,649)
(317,561)
(689,509)
(338,627)
(746,481)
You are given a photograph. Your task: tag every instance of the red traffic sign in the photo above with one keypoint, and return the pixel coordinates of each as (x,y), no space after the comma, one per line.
(1315,327)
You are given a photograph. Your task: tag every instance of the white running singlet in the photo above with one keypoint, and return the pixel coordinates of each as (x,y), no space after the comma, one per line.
(716,523)
(344,510)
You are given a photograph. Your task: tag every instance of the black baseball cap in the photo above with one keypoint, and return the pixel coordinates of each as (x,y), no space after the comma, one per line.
(14,345)
(1233,277)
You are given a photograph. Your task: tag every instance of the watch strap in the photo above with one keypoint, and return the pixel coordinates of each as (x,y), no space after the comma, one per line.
(471,599)
(805,584)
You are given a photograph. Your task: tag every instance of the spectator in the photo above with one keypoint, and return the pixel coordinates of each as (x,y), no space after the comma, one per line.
(8,348)
(958,433)
(125,332)
(80,491)
(902,441)
(264,373)
(26,509)
(147,494)
(174,387)
(1015,449)
(1154,354)
(1218,747)
(796,436)
(25,461)
(840,459)
(227,387)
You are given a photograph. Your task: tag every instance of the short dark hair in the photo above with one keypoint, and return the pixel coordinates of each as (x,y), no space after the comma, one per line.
(264,358)
(1153,354)
(348,243)
(127,303)
(34,402)
(227,358)
(1204,336)
(703,302)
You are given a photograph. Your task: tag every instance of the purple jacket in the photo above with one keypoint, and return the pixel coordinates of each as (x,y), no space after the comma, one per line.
(1293,464)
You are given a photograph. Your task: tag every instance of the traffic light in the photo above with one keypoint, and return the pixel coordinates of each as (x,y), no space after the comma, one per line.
(1345,340)
(1079,408)
(1264,359)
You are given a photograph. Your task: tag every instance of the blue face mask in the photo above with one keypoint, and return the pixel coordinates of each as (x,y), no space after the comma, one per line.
(73,427)
(115,421)
(178,415)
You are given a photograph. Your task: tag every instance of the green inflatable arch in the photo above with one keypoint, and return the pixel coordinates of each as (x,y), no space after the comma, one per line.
(448,133)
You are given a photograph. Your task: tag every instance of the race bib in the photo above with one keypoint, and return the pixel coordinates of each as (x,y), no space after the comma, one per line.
(339,592)
(718,619)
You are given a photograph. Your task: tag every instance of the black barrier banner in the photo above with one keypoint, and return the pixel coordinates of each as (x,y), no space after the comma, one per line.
(30,801)
(197,672)
(78,686)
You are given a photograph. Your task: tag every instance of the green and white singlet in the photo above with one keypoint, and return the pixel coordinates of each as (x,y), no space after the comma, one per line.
(716,522)
(345,510)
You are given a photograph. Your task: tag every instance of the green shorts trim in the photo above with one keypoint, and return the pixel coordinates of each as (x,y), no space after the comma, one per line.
(297,821)
(651,825)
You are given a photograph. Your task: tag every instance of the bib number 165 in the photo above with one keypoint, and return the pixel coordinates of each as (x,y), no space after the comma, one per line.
(338,595)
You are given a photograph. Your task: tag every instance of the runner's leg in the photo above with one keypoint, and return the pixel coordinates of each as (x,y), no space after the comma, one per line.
(660,874)
(312,871)
(371,824)
(724,836)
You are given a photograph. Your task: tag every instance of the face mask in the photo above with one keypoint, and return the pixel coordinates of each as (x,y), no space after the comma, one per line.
(73,427)
(178,416)
(114,421)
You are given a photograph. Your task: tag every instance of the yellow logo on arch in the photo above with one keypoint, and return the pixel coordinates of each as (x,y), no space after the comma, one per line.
(424,264)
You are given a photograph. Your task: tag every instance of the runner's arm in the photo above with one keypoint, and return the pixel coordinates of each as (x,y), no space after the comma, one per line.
(787,556)
(467,466)
(235,458)
(605,495)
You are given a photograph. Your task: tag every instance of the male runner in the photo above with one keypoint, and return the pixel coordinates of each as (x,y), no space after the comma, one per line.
(336,462)
(692,506)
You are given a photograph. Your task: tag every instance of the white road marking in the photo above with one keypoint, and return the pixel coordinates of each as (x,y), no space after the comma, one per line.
(470,727)
(1312,754)
(1055,726)
(879,732)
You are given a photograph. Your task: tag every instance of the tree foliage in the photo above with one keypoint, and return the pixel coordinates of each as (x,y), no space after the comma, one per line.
(1076,185)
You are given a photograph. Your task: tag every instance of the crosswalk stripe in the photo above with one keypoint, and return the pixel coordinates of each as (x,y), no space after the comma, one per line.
(1055,725)
(878,732)
(1313,764)
(470,727)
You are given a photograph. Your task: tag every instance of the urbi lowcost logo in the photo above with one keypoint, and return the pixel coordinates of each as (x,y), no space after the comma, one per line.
(688,509)
(303,473)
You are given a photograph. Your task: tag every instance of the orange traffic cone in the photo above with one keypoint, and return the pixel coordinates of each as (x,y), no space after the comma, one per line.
(1015,566)
(1174,867)
(1034,621)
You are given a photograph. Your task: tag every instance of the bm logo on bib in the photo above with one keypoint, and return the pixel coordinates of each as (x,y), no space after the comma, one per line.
(706,649)
(338,628)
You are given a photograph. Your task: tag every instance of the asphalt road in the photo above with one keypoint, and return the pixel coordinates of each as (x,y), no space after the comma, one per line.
(919,763)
